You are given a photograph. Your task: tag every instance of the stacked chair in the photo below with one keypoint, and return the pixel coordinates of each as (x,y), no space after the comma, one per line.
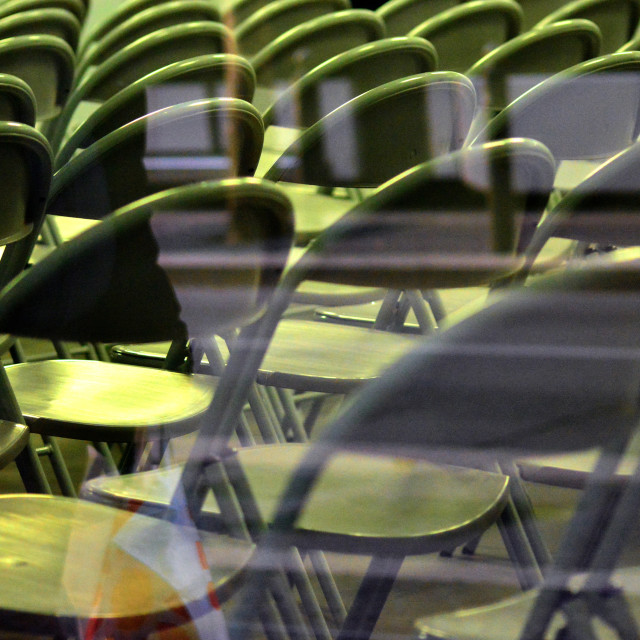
(404,154)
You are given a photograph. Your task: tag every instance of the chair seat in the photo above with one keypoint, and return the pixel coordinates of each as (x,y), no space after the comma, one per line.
(92,400)
(501,621)
(361,504)
(13,438)
(65,561)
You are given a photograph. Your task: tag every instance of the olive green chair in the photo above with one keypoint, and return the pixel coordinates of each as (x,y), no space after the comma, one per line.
(511,69)
(239,11)
(76,7)
(304,47)
(45,63)
(584,114)
(400,16)
(616,19)
(108,572)
(276,18)
(51,21)
(463,34)
(215,75)
(166,14)
(346,76)
(147,54)
(17,101)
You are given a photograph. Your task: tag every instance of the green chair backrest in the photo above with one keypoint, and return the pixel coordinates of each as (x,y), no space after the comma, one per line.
(400,16)
(53,22)
(463,34)
(505,73)
(76,7)
(381,133)
(210,76)
(276,18)
(589,111)
(17,101)
(164,15)
(238,11)
(199,140)
(45,63)
(346,76)
(617,19)
(141,57)
(306,46)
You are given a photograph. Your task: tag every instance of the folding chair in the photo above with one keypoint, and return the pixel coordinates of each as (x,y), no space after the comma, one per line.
(208,76)
(45,63)
(106,572)
(52,21)
(136,60)
(463,34)
(11,7)
(396,238)
(276,18)
(167,14)
(511,69)
(400,16)
(217,138)
(17,102)
(616,19)
(292,54)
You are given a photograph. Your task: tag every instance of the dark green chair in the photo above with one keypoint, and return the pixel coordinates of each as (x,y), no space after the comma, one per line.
(513,68)
(276,18)
(400,16)
(76,7)
(51,21)
(346,76)
(139,58)
(17,101)
(166,14)
(304,47)
(209,76)
(616,19)
(463,34)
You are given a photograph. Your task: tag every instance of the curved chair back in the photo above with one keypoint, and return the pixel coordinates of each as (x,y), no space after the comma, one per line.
(276,18)
(167,14)
(54,22)
(381,133)
(212,76)
(589,111)
(617,19)
(17,102)
(45,63)
(123,12)
(400,16)
(155,257)
(136,60)
(76,7)
(346,76)
(306,46)
(511,69)
(26,163)
(199,140)
(463,34)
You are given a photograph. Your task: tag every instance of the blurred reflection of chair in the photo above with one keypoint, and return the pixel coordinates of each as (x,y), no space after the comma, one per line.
(209,76)
(463,34)
(136,60)
(400,16)
(107,572)
(276,18)
(616,19)
(304,47)
(166,14)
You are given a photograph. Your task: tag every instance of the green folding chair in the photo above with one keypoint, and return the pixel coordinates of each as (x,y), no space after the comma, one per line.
(400,16)
(463,34)
(76,7)
(51,21)
(616,19)
(167,14)
(209,76)
(292,54)
(276,18)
